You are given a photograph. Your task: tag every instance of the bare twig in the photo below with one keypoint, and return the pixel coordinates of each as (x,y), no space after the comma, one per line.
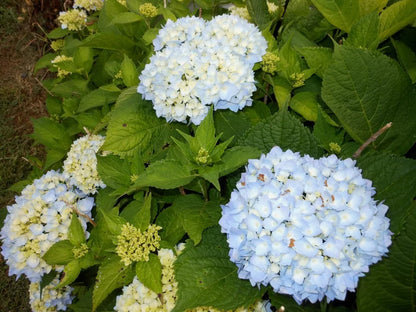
(371,140)
(200,12)
(182,190)
(266,95)
(40,83)
(164,4)
(82,214)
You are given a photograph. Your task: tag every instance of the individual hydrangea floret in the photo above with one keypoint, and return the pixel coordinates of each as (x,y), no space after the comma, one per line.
(308,227)
(198,64)
(80,166)
(148,10)
(73,19)
(50,299)
(134,245)
(89,5)
(40,217)
(137,297)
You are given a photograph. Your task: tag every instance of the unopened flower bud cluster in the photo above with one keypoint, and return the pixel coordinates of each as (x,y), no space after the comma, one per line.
(134,245)
(50,300)
(137,297)
(201,63)
(40,217)
(80,166)
(308,227)
(60,59)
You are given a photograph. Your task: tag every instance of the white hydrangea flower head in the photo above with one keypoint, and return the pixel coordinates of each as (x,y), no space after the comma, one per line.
(308,227)
(74,19)
(52,300)
(40,217)
(89,5)
(198,64)
(80,166)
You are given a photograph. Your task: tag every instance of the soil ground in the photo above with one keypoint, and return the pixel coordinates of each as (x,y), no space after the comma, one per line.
(23,28)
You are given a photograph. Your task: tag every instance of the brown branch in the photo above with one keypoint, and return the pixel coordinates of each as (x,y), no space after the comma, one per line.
(371,140)
(200,12)
(266,95)
(94,224)
(46,89)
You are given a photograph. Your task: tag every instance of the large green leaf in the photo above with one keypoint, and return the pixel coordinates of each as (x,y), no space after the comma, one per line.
(214,281)
(51,134)
(114,171)
(390,284)
(59,253)
(259,12)
(364,33)
(134,125)
(149,273)
(395,17)
(340,13)
(165,174)
(97,98)
(112,274)
(284,130)
(110,41)
(368,6)
(366,90)
(394,179)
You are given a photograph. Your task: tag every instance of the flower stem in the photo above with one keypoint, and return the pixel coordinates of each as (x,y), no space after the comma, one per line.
(324,305)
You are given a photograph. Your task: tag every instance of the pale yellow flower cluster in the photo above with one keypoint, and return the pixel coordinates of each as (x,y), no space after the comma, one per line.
(73,19)
(270,62)
(298,80)
(148,10)
(80,251)
(57,45)
(89,5)
(133,245)
(240,11)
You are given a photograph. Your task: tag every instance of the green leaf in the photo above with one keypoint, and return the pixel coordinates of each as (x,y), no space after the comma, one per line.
(58,33)
(44,61)
(59,253)
(110,221)
(235,158)
(126,18)
(231,124)
(134,125)
(390,284)
(340,13)
(142,218)
(150,35)
(284,130)
(282,90)
(259,12)
(366,90)
(369,6)
(84,58)
(149,273)
(305,104)
(394,179)
(110,41)
(205,133)
(407,58)
(364,33)
(51,134)
(112,274)
(75,232)
(129,72)
(165,174)
(114,171)
(395,17)
(170,219)
(97,98)
(317,58)
(71,272)
(47,279)
(326,133)
(212,273)
(73,87)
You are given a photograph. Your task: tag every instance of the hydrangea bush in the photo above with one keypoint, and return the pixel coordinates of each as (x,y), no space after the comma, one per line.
(273,141)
